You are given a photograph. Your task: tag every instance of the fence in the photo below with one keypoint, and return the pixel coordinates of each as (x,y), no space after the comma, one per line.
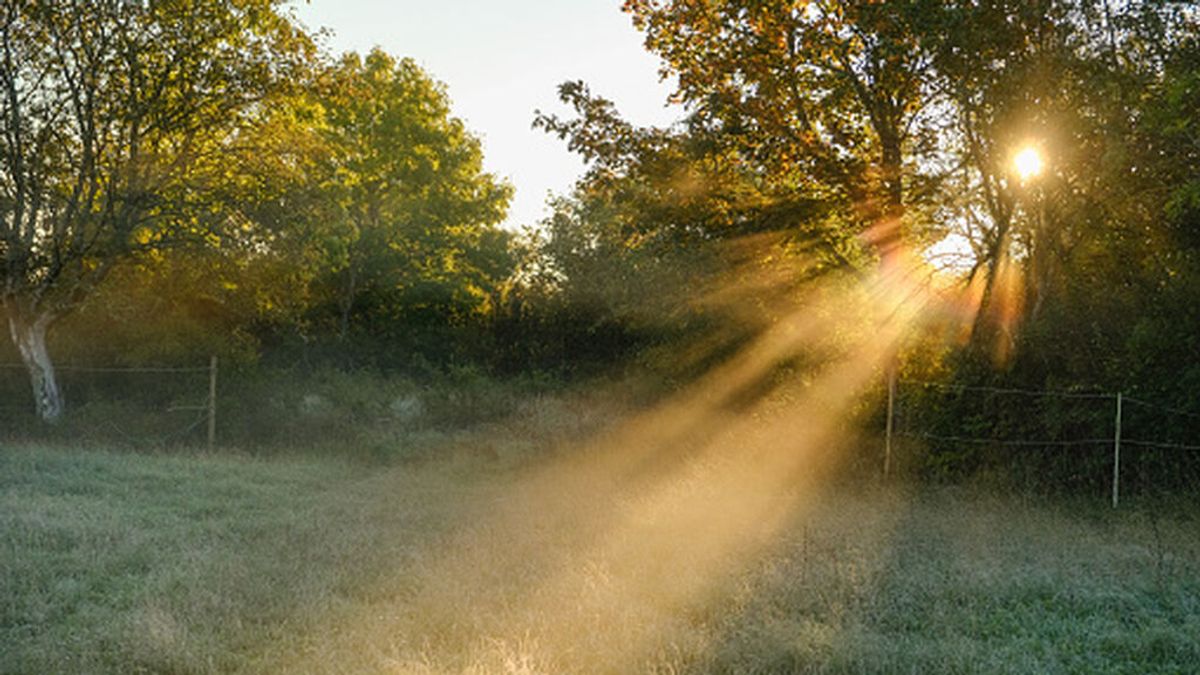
(193,391)
(1064,433)
(1111,422)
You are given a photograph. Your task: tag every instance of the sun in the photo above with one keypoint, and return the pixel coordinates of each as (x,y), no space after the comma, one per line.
(1028,163)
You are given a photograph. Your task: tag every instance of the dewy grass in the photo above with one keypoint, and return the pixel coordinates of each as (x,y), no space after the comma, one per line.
(114,562)
(118,562)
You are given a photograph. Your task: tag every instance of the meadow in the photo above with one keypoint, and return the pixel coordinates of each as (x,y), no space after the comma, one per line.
(829,374)
(119,562)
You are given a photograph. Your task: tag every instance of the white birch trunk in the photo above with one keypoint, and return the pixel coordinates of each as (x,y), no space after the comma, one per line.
(30,339)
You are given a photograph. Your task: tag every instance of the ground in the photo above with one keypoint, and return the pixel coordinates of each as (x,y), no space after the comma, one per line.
(127,562)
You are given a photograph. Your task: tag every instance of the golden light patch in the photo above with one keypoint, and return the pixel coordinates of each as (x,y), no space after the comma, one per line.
(1028,163)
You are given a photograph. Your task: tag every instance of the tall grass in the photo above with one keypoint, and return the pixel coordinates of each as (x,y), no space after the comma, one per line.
(121,562)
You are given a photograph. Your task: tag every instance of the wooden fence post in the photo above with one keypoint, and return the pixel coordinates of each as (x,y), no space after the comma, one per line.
(1116,479)
(212,402)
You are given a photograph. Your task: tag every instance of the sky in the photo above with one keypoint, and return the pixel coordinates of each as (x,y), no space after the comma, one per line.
(501,61)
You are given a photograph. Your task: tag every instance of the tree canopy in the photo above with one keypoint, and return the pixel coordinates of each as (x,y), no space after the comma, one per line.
(220,169)
(117,119)
(893,126)
(133,130)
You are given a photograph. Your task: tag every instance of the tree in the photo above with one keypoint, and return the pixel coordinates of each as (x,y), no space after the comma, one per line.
(414,228)
(1002,67)
(677,210)
(116,119)
(1086,272)
(1068,77)
(825,97)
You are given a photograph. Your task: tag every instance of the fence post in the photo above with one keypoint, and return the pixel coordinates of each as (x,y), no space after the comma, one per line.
(212,402)
(887,443)
(1116,480)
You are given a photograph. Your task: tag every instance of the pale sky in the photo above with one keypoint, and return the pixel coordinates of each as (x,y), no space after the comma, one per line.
(501,60)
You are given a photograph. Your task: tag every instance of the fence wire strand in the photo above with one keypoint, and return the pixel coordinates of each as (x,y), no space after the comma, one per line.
(114,369)
(1012,391)
(159,440)
(1159,444)
(1155,406)
(1047,393)
(202,411)
(998,441)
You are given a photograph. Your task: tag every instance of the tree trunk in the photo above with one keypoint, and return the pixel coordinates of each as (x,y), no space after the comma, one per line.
(30,339)
(1042,260)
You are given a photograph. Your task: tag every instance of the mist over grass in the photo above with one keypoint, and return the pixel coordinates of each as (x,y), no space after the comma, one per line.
(122,562)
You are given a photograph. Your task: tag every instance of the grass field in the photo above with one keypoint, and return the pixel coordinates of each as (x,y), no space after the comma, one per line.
(120,562)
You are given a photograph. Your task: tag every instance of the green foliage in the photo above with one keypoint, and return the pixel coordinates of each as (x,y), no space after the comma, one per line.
(655,230)
(241,190)
(119,122)
(357,415)
(825,122)
(416,233)
(303,213)
(1101,240)
(829,99)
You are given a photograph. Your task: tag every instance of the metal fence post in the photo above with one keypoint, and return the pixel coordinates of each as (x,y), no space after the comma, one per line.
(212,402)
(1116,479)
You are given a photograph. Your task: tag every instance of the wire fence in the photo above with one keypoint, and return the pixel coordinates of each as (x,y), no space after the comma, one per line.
(115,369)
(965,425)
(139,405)
(1078,437)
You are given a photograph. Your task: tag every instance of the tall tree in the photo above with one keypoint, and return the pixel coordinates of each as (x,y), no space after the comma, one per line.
(1067,77)
(829,94)
(115,116)
(417,214)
